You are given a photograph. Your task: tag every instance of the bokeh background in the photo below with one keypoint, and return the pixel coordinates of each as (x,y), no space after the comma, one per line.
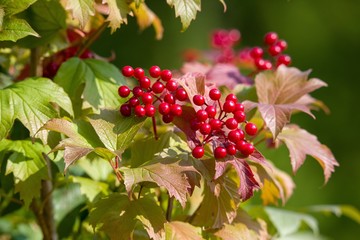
(322,35)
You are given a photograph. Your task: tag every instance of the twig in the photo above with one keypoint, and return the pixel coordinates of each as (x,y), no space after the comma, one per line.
(169,208)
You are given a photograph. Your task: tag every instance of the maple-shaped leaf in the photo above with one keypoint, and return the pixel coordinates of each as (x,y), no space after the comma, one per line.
(28,166)
(117,13)
(278,93)
(145,18)
(301,143)
(181,230)
(30,101)
(81,10)
(186,9)
(248,182)
(117,216)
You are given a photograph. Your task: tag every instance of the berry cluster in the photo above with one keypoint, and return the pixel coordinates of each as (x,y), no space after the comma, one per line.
(224,125)
(275,47)
(159,92)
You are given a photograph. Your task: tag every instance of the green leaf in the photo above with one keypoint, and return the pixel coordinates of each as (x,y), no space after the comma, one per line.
(181,230)
(186,9)
(13,29)
(30,102)
(118,216)
(90,188)
(2,14)
(101,81)
(339,210)
(118,11)
(13,7)
(27,165)
(81,10)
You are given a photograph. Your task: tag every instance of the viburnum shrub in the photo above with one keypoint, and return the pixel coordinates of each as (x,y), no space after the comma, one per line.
(93,150)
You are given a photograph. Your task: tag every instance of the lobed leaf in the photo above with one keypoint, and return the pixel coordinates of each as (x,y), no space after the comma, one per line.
(186,10)
(81,10)
(181,230)
(13,29)
(118,11)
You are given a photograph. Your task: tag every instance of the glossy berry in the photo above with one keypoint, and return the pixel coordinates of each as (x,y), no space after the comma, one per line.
(205,128)
(198,152)
(198,100)
(139,73)
(270,38)
(231,149)
(215,124)
(229,106)
(124,91)
(147,98)
(283,59)
(256,52)
(267,65)
(239,116)
(150,110)
(240,145)
(166,75)
(247,149)
(134,101)
(231,123)
(239,107)
(215,94)
(138,92)
(211,111)
(202,115)
(274,50)
(155,71)
(259,63)
(139,111)
(168,118)
(164,108)
(171,85)
(175,110)
(235,135)
(231,97)
(250,129)
(169,98)
(127,71)
(145,82)
(220,152)
(181,94)
(158,87)
(282,44)
(125,110)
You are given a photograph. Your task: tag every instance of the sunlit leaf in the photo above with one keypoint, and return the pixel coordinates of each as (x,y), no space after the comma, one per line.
(81,10)
(301,143)
(90,188)
(118,11)
(186,10)
(181,230)
(12,7)
(13,29)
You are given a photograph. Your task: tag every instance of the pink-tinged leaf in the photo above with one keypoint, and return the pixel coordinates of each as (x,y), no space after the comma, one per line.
(301,143)
(313,103)
(165,173)
(247,181)
(191,67)
(278,93)
(181,230)
(117,13)
(257,157)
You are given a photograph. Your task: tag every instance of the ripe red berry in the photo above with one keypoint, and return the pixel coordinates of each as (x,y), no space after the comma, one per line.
(195,124)
(166,75)
(147,98)
(220,152)
(150,110)
(231,97)
(247,149)
(158,87)
(134,101)
(205,128)
(270,38)
(124,91)
(155,71)
(240,145)
(282,44)
(181,94)
(215,124)
(235,135)
(139,111)
(125,110)
(229,106)
(127,71)
(256,52)
(145,82)
(176,110)
(198,152)
(167,118)
(250,129)
(137,91)
(171,85)
(211,111)
(202,115)
(215,94)
(283,59)
(164,108)
(139,73)
(169,98)
(239,116)
(231,123)
(259,63)
(267,65)
(231,149)
(239,107)
(198,100)
(274,50)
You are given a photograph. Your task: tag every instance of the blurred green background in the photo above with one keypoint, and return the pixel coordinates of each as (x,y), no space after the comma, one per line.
(322,35)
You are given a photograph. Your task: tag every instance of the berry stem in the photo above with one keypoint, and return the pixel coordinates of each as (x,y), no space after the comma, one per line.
(91,39)
(115,165)
(169,208)
(154,127)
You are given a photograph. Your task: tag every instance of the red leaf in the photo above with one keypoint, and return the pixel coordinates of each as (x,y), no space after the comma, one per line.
(301,143)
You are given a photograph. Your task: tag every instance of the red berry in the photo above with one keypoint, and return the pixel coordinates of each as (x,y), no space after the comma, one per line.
(220,152)
(247,149)
(125,110)
(147,98)
(158,87)
(145,82)
(138,92)
(240,145)
(150,110)
(231,97)
(231,123)
(229,106)
(171,85)
(181,94)
(239,116)
(155,71)
(215,124)
(283,59)
(282,44)
(198,100)
(127,71)
(139,73)
(198,152)
(139,111)
(215,94)
(250,129)
(205,128)
(167,118)
(166,75)
(164,108)
(274,50)
(270,38)
(231,149)
(235,135)
(202,115)
(267,65)
(259,63)
(134,101)
(124,91)
(169,98)
(211,111)
(176,110)
(256,52)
